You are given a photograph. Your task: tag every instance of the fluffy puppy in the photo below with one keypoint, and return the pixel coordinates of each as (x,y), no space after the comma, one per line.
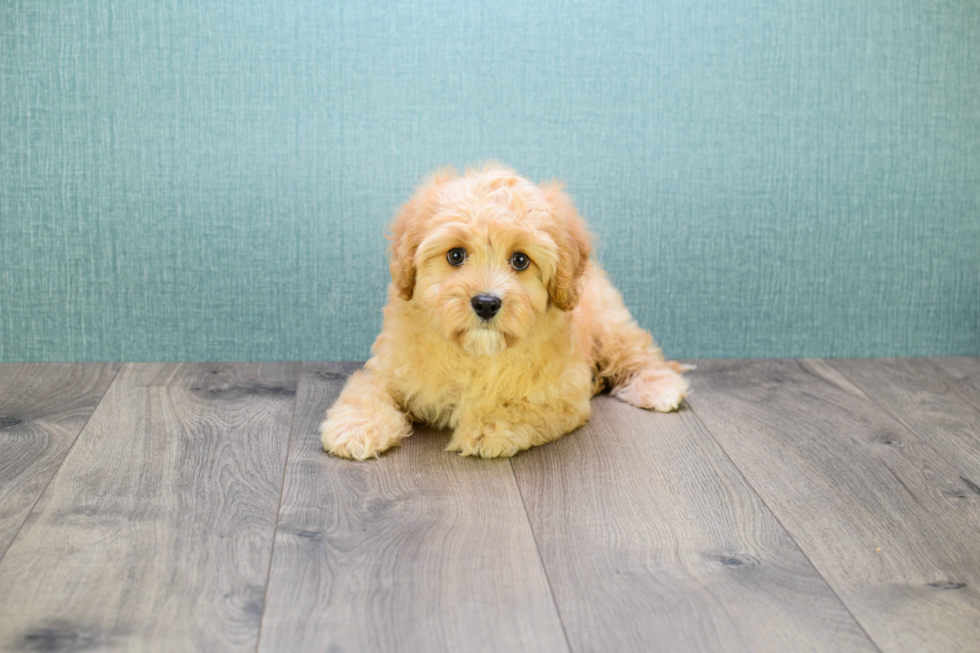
(498,326)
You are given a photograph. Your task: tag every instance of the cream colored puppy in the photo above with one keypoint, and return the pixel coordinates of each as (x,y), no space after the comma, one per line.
(498,326)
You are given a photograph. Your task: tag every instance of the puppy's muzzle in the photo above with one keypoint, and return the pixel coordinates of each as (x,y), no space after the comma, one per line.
(486,306)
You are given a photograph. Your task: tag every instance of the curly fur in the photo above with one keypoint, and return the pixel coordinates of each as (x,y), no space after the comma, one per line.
(522,379)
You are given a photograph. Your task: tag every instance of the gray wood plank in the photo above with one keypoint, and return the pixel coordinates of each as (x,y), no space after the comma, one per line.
(886,520)
(156,532)
(653,541)
(420,550)
(938,399)
(965,370)
(43,407)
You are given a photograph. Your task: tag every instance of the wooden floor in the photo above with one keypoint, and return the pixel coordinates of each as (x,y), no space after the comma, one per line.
(791,505)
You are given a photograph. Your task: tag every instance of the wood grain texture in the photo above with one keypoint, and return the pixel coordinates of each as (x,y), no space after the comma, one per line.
(420,550)
(937,399)
(653,542)
(43,407)
(156,533)
(887,521)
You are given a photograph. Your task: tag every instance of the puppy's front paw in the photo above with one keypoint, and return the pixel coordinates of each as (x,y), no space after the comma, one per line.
(352,432)
(491,438)
(659,389)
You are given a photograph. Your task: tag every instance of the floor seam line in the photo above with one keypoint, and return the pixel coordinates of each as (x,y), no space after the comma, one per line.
(537,549)
(914,432)
(282,489)
(785,530)
(62,462)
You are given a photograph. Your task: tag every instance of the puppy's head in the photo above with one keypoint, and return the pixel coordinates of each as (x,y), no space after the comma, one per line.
(487,254)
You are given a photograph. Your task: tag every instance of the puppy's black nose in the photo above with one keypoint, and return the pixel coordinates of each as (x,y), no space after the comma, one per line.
(486,306)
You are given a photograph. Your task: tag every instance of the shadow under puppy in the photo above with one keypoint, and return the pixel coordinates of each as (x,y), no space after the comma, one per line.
(498,326)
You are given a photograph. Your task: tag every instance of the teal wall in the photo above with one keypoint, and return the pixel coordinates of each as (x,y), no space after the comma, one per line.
(210,180)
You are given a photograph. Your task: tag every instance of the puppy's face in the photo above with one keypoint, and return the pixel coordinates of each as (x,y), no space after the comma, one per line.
(486,255)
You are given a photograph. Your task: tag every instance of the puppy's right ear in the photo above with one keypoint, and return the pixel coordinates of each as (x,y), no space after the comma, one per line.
(407,231)
(402,250)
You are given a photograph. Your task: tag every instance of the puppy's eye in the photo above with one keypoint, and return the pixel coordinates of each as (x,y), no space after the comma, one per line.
(456,256)
(520,261)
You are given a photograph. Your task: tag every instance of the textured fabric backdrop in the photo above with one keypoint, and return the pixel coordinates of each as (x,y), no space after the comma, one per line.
(210,180)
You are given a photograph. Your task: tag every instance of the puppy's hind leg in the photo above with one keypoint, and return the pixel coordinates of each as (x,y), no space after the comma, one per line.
(632,363)
(365,420)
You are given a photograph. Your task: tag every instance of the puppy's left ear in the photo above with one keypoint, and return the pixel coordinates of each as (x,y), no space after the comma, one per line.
(574,247)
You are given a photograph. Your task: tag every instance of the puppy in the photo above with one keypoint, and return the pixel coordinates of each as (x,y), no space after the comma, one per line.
(498,326)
